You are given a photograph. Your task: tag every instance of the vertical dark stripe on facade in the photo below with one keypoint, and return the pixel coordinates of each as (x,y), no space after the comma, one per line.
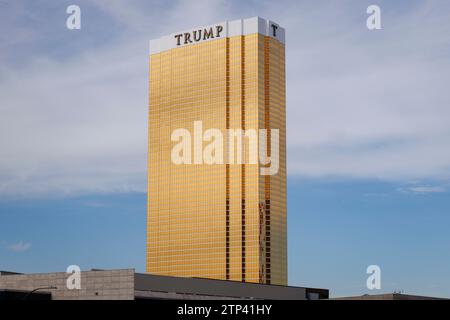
(244,156)
(227,166)
(267,177)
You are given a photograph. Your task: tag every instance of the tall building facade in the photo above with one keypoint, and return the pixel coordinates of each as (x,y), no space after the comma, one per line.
(224,220)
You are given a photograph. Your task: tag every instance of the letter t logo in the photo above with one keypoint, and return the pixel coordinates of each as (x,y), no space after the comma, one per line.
(274,30)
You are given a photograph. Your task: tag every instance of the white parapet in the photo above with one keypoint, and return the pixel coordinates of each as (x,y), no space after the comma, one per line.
(218,31)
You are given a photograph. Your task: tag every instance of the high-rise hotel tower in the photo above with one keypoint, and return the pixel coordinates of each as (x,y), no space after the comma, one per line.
(223,220)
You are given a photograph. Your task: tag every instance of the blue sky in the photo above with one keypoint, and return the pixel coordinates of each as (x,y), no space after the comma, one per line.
(368,136)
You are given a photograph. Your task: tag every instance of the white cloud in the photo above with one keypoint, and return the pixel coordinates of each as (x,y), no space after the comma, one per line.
(423,189)
(80,126)
(360,103)
(19,246)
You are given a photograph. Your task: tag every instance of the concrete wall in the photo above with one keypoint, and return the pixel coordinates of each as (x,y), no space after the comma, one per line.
(95,285)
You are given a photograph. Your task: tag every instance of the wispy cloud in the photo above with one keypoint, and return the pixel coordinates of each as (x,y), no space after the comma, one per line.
(95,204)
(19,246)
(422,190)
(77,124)
(376,194)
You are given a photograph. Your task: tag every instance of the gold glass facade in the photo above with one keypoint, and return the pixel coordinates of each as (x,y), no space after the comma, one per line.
(221,221)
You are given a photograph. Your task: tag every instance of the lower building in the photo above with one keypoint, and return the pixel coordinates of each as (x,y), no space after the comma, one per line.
(126,284)
(388,296)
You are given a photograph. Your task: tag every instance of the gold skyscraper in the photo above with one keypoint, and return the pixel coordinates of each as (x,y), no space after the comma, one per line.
(223,221)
